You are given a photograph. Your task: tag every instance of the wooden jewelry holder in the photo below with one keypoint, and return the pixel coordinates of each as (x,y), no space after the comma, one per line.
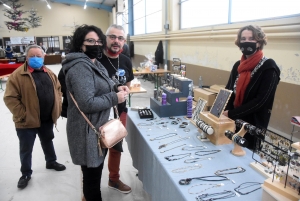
(238,150)
(220,125)
(217,120)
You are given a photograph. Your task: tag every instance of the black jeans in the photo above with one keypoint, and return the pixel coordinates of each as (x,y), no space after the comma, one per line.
(27,137)
(91,182)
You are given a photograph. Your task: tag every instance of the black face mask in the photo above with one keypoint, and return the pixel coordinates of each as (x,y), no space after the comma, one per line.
(248,48)
(92,51)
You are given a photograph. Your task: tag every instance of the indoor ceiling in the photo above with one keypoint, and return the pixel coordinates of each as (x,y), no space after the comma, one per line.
(100,4)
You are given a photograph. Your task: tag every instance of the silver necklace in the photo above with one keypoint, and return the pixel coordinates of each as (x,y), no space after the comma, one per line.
(187,168)
(117,70)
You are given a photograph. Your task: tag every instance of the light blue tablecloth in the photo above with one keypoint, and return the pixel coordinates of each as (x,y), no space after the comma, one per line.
(156,172)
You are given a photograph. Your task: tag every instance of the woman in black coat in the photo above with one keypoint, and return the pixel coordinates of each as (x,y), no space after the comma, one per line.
(253,80)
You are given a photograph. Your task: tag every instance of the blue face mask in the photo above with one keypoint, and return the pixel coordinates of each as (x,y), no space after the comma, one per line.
(36,62)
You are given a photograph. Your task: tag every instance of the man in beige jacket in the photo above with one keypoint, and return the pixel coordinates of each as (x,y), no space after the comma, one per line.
(33,95)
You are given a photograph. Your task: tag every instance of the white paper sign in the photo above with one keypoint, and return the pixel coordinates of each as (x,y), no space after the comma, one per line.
(21,40)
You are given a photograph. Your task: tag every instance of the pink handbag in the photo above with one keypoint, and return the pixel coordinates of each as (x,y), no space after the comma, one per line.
(108,134)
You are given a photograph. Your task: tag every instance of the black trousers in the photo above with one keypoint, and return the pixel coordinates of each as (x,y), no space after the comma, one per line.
(27,137)
(92,181)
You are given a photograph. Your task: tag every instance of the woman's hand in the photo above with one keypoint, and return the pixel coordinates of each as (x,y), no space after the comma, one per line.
(121,96)
(124,88)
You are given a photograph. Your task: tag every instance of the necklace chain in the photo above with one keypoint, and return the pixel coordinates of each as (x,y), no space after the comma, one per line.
(172,148)
(164,136)
(187,168)
(169,158)
(194,160)
(113,65)
(212,186)
(191,147)
(207,152)
(227,171)
(178,140)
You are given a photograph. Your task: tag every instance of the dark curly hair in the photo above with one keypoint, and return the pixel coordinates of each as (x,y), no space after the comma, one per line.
(81,32)
(258,35)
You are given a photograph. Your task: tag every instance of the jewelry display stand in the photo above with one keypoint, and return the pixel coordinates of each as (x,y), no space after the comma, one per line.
(275,162)
(175,105)
(238,150)
(217,120)
(219,125)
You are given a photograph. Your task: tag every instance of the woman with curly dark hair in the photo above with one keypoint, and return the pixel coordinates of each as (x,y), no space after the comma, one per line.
(253,80)
(88,81)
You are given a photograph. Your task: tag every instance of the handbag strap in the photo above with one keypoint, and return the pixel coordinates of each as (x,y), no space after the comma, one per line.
(87,120)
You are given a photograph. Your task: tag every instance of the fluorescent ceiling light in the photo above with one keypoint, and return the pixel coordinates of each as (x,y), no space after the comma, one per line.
(6,6)
(48,6)
(84,6)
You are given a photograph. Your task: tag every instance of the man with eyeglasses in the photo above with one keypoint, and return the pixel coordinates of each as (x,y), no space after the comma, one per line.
(33,96)
(119,68)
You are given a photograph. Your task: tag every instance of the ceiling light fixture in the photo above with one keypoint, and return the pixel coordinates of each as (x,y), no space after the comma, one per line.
(48,5)
(84,7)
(5,5)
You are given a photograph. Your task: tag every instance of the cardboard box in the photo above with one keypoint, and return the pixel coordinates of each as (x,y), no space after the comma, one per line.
(206,95)
(216,88)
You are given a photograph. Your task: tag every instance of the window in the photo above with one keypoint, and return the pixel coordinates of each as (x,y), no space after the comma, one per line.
(197,13)
(122,18)
(147,16)
(262,9)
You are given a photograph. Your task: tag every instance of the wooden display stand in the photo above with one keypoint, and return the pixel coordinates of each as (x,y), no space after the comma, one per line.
(278,186)
(220,125)
(238,150)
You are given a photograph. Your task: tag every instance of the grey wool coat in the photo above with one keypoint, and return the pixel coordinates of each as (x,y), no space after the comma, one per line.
(93,90)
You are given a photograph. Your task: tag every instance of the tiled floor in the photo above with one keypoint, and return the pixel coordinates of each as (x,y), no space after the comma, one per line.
(49,185)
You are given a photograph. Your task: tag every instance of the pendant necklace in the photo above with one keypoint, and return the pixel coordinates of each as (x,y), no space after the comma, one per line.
(117,70)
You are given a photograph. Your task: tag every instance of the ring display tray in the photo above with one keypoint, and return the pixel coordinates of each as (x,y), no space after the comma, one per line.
(145,113)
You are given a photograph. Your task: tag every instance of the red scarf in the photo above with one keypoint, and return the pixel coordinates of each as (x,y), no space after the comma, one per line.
(245,68)
(110,53)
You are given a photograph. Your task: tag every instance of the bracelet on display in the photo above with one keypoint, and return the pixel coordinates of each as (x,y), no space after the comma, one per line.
(145,113)
(228,171)
(216,196)
(248,185)
(204,127)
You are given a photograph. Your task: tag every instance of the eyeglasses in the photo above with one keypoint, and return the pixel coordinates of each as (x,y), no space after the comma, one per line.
(113,37)
(93,41)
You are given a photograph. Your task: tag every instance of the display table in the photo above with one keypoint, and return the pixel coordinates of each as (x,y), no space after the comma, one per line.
(156,172)
(52,59)
(135,90)
(156,73)
(8,68)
